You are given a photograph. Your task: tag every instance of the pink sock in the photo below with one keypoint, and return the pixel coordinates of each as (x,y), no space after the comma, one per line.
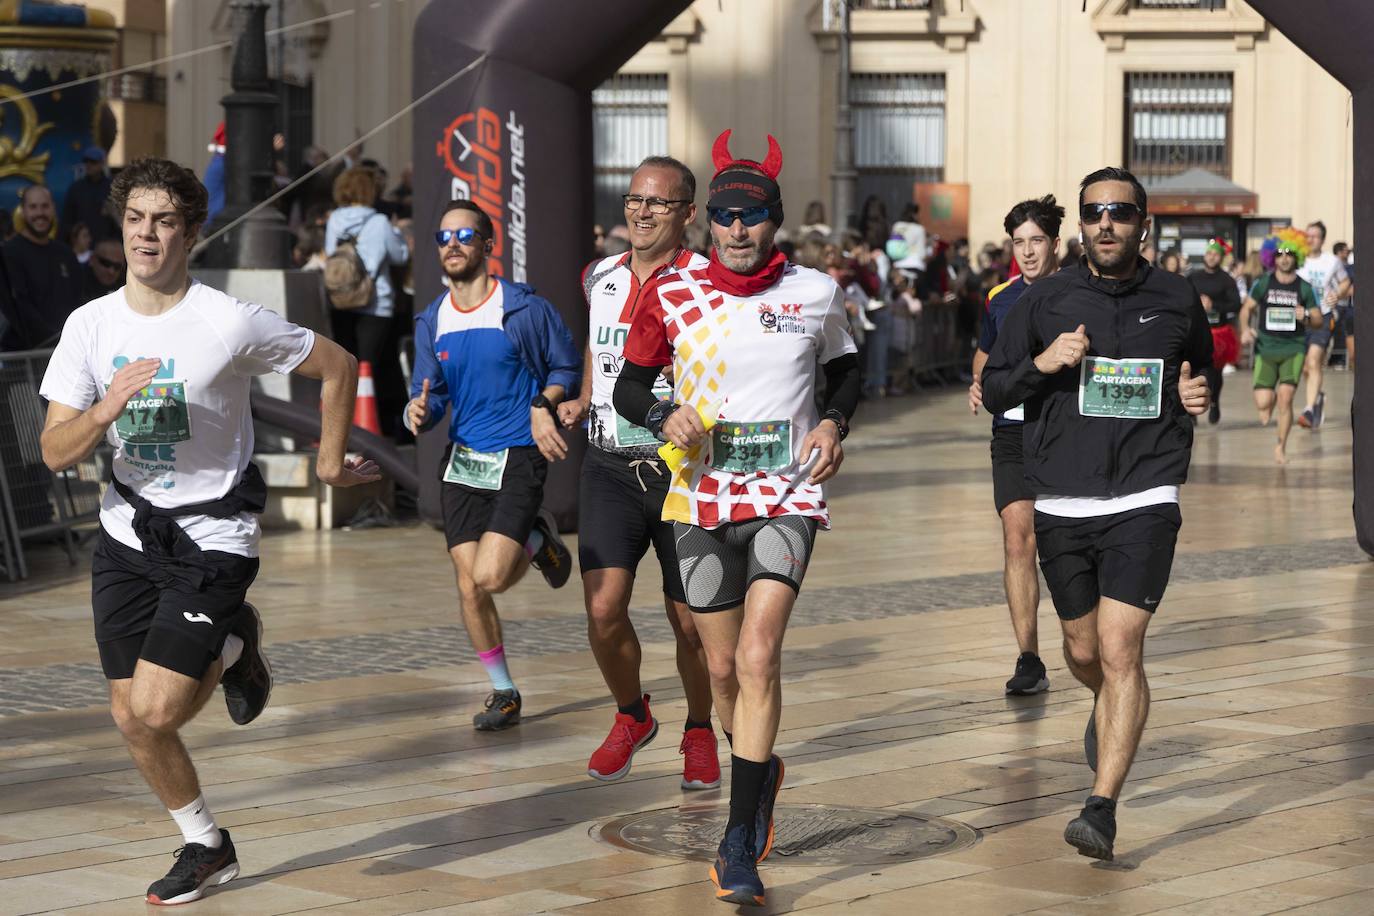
(494,660)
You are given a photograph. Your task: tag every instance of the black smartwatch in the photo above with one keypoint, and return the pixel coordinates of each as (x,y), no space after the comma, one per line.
(654,419)
(836,415)
(541,401)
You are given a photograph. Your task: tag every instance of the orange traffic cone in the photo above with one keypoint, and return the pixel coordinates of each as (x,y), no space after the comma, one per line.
(365,407)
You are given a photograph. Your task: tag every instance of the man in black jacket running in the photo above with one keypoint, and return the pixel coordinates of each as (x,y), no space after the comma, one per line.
(1108,356)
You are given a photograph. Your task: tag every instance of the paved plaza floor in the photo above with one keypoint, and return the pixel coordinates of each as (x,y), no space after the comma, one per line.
(363,788)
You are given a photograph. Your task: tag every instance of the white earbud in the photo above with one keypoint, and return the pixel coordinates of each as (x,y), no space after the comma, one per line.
(1144,234)
(1080,238)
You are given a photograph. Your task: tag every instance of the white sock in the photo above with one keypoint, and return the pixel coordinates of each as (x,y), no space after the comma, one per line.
(197,823)
(232,651)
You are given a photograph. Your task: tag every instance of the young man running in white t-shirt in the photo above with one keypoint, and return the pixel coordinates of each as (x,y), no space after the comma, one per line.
(162,369)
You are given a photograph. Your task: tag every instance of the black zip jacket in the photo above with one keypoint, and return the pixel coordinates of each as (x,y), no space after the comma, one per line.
(1154,315)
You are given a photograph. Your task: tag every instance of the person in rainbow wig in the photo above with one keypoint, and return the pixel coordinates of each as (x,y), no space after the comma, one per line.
(1287,308)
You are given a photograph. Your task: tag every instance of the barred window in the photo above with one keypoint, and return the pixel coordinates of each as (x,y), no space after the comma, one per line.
(629,124)
(899,134)
(1178,121)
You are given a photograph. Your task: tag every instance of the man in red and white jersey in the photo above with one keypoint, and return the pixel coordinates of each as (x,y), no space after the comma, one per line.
(623,484)
(743,337)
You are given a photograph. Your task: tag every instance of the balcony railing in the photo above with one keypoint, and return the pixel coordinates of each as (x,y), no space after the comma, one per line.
(893,4)
(138,87)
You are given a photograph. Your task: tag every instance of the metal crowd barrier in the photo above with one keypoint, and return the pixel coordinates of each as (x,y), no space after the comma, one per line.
(35,502)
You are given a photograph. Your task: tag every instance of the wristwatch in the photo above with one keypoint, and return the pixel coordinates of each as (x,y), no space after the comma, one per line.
(541,401)
(836,416)
(654,419)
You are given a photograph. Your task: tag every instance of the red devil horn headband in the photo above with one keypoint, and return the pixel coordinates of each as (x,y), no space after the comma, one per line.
(723,159)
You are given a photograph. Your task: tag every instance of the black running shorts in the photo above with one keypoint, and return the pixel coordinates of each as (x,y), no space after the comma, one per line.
(620,512)
(1126,557)
(719,564)
(1008,471)
(173,626)
(469,512)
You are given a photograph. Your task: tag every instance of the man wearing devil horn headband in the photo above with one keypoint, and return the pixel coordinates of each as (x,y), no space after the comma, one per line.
(744,336)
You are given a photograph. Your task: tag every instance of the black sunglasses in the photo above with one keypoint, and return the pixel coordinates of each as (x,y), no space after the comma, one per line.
(108,264)
(1118,212)
(464,236)
(750,216)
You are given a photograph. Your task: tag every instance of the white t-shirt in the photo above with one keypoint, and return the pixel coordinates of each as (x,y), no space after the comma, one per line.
(614,295)
(1318,271)
(753,359)
(191,430)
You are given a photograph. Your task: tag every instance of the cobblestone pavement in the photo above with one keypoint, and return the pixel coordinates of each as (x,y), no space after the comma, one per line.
(78,686)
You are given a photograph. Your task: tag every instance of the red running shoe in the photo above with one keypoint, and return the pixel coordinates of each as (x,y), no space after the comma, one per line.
(612,760)
(701,759)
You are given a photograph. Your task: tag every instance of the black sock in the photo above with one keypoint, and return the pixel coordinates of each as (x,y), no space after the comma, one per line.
(746,787)
(729,738)
(1098,801)
(691,725)
(635,709)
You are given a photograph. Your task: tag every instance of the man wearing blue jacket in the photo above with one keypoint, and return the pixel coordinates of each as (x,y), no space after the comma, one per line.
(502,358)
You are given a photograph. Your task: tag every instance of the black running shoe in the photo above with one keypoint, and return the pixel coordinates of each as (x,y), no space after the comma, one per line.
(552,559)
(1030,677)
(768,797)
(1305,418)
(248,684)
(1093,832)
(502,710)
(1090,738)
(735,873)
(197,867)
(1319,410)
(1214,411)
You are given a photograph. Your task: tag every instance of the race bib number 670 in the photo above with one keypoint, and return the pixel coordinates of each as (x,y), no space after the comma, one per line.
(1127,389)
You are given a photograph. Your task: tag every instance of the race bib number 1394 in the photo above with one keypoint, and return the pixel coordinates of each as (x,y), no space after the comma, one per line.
(1128,389)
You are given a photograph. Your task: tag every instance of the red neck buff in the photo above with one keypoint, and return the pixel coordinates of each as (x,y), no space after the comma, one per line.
(726,280)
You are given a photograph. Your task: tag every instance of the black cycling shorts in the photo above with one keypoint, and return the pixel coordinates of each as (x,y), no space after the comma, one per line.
(620,513)
(1126,557)
(1008,469)
(470,512)
(173,626)
(719,564)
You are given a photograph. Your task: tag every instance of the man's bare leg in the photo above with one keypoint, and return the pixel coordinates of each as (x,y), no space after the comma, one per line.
(1312,365)
(149,709)
(1285,410)
(691,660)
(615,646)
(1020,577)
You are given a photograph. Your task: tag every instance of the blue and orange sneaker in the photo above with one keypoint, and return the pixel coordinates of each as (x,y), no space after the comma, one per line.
(735,872)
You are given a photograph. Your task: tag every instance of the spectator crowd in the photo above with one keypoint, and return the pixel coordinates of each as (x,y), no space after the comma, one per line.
(903,287)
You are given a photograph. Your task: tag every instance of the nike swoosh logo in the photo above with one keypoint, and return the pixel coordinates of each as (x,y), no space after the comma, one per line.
(196,618)
(1143,319)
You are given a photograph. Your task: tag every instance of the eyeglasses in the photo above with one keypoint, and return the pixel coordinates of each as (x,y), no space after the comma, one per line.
(750,216)
(108,264)
(1119,212)
(464,236)
(657,205)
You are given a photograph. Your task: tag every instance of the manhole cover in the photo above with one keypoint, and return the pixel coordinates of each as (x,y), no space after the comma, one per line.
(804,834)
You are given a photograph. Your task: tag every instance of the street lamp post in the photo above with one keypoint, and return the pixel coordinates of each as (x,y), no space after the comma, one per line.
(843,178)
(262,240)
